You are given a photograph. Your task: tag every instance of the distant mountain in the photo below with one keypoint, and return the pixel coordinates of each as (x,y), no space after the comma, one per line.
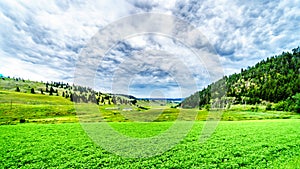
(273,80)
(170,100)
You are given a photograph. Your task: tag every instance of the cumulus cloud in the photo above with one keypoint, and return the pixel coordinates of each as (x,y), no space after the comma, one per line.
(43,40)
(153,55)
(244,32)
(51,34)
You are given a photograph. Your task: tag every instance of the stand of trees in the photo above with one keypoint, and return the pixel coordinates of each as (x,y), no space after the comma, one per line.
(76,93)
(276,79)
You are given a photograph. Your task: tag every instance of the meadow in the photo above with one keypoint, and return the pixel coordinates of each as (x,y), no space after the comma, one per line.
(16,106)
(41,131)
(38,108)
(237,144)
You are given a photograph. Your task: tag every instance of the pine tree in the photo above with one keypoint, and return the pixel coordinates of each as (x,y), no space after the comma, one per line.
(51,91)
(32,91)
(98,100)
(71,97)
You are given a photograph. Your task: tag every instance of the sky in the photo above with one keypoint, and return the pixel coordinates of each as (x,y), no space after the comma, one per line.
(61,41)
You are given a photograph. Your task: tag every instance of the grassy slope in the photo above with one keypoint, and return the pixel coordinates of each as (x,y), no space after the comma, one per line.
(25,86)
(244,144)
(55,109)
(15,106)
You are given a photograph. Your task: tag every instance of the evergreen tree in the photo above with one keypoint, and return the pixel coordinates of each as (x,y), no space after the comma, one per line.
(32,91)
(71,97)
(97,100)
(51,91)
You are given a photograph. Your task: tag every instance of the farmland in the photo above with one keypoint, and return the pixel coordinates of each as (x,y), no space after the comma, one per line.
(238,144)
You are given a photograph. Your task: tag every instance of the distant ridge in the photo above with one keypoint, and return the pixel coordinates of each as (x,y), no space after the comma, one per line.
(171,99)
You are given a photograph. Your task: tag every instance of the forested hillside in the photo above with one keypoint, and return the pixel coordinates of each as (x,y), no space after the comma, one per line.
(276,79)
(74,93)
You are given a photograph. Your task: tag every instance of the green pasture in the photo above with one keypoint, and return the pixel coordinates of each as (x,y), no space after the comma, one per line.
(38,108)
(236,144)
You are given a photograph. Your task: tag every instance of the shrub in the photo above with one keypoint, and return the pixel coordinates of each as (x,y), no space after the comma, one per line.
(269,106)
(254,109)
(207,107)
(297,102)
(228,106)
(280,106)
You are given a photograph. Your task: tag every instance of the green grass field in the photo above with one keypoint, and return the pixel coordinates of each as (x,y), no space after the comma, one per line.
(237,144)
(33,107)
(51,137)
(38,108)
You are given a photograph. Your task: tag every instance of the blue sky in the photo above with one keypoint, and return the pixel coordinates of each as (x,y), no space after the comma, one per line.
(43,40)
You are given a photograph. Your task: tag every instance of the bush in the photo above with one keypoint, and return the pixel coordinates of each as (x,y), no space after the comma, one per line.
(254,109)
(297,102)
(269,106)
(281,106)
(207,107)
(228,106)
(22,120)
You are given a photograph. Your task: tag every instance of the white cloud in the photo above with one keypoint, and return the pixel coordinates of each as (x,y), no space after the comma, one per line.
(51,34)
(42,39)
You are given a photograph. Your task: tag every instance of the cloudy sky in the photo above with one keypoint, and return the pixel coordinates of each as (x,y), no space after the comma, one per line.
(51,40)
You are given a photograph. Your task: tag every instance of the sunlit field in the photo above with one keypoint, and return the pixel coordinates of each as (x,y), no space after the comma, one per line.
(244,144)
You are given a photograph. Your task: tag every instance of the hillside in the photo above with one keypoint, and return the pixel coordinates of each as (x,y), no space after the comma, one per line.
(74,93)
(52,102)
(275,80)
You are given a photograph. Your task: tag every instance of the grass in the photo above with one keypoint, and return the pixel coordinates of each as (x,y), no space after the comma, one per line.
(38,108)
(31,99)
(25,86)
(237,144)
(15,106)
(243,139)
(260,115)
